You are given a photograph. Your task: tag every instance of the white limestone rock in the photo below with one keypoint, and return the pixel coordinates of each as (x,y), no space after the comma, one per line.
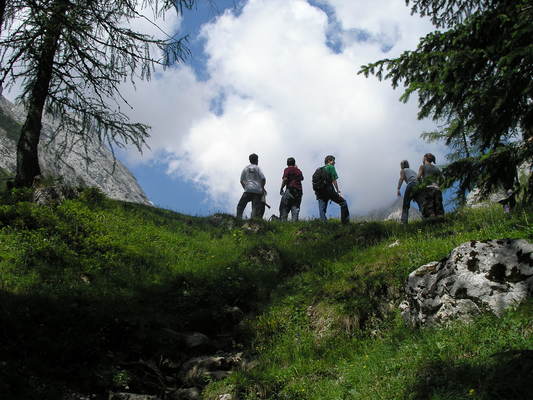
(490,275)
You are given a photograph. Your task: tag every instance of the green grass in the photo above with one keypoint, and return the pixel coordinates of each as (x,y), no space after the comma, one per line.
(91,286)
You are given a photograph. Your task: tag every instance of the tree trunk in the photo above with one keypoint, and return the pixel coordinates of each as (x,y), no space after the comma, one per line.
(27,148)
(2,14)
(2,19)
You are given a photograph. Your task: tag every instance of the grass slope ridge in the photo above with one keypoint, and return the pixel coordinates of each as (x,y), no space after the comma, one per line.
(91,288)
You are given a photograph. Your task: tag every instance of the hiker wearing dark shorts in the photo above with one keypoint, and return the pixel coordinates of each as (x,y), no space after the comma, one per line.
(408,176)
(327,189)
(291,197)
(253,182)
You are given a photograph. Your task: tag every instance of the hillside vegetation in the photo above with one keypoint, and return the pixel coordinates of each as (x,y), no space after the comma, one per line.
(94,294)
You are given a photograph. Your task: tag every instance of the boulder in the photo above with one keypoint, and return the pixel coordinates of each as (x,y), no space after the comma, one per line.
(53,194)
(195,339)
(190,340)
(131,396)
(192,393)
(200,370)
(477,276)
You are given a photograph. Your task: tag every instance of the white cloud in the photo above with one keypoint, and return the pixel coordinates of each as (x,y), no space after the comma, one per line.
(155,25)
(388,22)
(171,102)
(286,93)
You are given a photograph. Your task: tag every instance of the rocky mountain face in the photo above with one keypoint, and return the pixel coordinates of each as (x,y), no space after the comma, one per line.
(393,212)
(92,165)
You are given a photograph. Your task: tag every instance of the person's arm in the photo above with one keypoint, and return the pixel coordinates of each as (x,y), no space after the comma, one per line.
(336,186)
(283,183)
(420,172)
(242,178)
(334,179)
(263,181)
(400,181)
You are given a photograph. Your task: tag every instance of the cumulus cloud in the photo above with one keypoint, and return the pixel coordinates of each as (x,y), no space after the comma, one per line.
(385,22)
(171,103)
(281,91)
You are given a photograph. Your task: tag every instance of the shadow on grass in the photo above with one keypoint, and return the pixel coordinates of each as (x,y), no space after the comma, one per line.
(92,332)
(507,376)
(88,341)
(52,346)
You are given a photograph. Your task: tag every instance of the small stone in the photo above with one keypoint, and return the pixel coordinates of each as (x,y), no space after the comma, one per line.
(195,339)
(132,396)
(191,393)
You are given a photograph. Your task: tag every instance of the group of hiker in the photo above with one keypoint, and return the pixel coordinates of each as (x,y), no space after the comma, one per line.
(422,187)
(324,184)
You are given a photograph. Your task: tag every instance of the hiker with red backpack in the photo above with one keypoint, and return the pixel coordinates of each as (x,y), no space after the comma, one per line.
(326,188)
(291,197)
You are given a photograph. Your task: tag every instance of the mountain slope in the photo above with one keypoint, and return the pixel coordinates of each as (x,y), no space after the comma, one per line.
(98,296)
(60,156)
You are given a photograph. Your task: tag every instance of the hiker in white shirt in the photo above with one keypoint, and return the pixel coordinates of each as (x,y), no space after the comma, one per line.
(253,182)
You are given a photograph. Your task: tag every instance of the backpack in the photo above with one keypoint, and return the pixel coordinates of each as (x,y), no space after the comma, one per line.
(321,180)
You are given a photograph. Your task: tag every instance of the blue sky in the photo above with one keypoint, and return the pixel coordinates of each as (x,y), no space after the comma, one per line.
(162,189)
(278,78)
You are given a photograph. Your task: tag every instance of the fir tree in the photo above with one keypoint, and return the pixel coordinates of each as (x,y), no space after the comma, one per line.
(475,77)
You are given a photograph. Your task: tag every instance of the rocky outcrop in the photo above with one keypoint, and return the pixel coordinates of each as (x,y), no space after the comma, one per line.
(90,164)
(474,199)
(477,276)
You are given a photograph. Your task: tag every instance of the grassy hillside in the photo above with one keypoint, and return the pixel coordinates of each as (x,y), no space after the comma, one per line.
(93,292)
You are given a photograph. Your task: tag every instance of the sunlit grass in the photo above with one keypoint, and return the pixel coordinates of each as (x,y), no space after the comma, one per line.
(320,299)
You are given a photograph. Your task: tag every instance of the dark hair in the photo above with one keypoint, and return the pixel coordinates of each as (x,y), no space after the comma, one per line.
(430,157)
(328,159)
(254,158)
(404,164)
(291,161)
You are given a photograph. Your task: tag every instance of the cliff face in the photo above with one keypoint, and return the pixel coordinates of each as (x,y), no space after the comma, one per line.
(59,156)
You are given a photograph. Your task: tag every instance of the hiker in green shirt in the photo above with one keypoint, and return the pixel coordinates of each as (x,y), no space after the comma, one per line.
(330,191)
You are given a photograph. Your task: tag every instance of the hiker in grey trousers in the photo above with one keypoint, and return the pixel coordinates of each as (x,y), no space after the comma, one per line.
(408,176)
(253,182)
